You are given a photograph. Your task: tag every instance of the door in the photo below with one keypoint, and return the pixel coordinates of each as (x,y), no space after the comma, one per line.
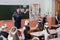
(57,8)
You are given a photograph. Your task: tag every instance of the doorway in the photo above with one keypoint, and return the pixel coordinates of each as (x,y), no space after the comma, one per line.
(57,8)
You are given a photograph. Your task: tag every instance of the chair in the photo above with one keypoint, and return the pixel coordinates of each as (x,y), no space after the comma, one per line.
(35,38)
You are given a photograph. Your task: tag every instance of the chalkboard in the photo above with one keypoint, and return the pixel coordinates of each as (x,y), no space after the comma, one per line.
(6,11)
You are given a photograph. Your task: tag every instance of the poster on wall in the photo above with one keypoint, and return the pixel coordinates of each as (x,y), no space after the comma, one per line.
(34,12)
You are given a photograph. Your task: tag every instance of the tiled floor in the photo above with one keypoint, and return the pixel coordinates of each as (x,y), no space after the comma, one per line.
(10,23)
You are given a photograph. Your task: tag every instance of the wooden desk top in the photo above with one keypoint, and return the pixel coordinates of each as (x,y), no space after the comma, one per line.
(52,31)
(55,39)
(40,33)
(56,26)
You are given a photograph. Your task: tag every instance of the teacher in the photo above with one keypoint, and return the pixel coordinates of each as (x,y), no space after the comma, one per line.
(17,16)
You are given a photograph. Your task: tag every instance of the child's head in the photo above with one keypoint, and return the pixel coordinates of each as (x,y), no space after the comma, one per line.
(56,13)
(26,22)
(13,30)
(39,20)
(46,25)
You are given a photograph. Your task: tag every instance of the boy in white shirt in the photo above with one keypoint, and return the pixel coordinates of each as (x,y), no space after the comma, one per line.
(58,30)
(13,34)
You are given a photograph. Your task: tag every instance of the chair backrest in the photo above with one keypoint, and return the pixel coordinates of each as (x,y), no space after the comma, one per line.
(35,38)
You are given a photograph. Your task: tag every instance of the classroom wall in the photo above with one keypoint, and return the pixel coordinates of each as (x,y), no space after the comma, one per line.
(47,6)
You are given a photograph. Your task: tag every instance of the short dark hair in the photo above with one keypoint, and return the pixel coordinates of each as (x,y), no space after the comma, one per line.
(18,7)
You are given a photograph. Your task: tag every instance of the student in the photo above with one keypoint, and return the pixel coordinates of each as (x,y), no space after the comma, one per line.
(2,38)
(39,25)
(58,30)
(27,28)
(17,16)
(56,18)
(13,34)
(44,19)
(3,32)
(46,26)
(46,31)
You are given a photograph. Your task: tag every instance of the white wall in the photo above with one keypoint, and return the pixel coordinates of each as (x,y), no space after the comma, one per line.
(19,2)
(49,7)
(46,5)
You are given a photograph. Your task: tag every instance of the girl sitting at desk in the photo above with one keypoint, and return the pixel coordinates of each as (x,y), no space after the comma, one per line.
(56,18)
(39,25)
(27,28)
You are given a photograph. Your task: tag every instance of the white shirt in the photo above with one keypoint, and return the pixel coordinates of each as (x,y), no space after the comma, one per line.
(10,37)
(56,18)
(45,34)
(36,25)
(3,37)
(58,31)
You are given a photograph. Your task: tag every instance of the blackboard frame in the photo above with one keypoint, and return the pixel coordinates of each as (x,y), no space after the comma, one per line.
(6,11)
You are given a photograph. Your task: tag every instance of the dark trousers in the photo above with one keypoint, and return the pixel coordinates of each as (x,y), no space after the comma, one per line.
(27,35)
(56,22)
(17,25)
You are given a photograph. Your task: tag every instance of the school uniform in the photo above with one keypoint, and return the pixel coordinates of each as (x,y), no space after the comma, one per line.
(56,20)
(17,18)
